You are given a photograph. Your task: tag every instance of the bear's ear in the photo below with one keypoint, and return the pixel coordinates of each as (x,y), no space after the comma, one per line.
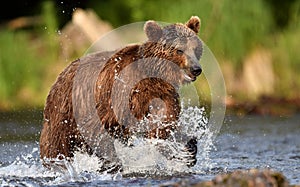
(153,30)
(194,24)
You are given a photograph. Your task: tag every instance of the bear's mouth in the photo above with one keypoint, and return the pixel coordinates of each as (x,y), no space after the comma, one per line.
(188,76)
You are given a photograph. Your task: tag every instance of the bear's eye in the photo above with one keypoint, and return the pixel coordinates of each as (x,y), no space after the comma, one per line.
(179,52)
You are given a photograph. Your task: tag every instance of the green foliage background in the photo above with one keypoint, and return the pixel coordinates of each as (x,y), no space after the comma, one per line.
(230,28)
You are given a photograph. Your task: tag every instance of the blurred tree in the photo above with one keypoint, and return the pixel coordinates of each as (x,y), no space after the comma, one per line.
(116,12)
(281,11)
(17,8)
(65,8)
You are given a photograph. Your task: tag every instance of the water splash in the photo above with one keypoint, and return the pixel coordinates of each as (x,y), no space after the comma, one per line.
(143,158)
(27,170)
(26,166)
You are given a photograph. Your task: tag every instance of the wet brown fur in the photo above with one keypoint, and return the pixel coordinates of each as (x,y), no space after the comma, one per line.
(60,134)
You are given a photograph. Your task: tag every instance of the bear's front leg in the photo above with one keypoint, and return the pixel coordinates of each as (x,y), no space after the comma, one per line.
(158,102)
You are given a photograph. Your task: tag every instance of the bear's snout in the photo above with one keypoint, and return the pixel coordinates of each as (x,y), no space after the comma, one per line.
(196,70)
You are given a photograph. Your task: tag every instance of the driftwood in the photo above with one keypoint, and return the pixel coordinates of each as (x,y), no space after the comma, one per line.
(23,22)
(90,24)
(83,31)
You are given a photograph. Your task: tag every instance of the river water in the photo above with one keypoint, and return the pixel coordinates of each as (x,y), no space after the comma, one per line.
(244,142)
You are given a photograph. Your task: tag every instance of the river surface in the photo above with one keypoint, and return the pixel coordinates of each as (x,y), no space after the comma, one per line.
(243,143)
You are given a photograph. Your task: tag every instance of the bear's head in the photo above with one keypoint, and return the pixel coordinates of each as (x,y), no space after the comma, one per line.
(177,43)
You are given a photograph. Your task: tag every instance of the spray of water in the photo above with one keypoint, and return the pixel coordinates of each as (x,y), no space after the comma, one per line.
(143,157)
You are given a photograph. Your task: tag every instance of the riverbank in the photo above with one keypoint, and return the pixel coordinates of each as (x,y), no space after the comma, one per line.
(265,105)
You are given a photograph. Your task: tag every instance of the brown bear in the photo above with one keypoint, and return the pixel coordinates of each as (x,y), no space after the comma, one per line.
(114,95)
